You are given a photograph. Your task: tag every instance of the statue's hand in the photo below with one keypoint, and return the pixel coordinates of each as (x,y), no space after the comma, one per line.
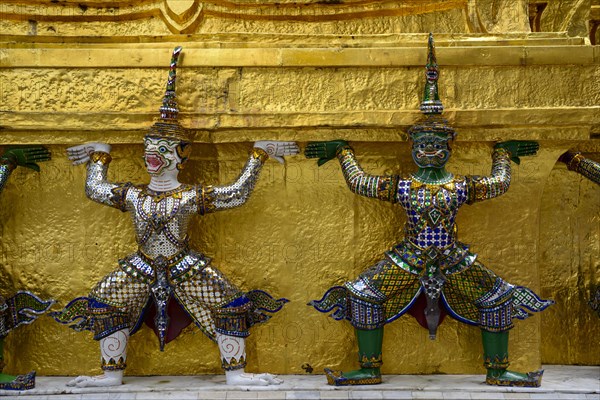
(324,151)
(27,157)
(81,154)
(518,148)
(276,150)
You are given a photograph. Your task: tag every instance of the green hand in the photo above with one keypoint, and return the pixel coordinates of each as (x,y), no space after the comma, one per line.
(27,156)
(518,148)
(324,151)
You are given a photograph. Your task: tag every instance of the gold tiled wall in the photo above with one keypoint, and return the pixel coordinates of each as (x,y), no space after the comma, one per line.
(358,78)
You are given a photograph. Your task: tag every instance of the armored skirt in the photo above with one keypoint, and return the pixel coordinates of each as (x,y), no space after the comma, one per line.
(467,291)
(430,260)
(165,283)
(202,294)
(22,308)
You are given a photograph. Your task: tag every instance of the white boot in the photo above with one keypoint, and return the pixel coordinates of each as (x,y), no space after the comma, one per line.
(113,350)
(233,354)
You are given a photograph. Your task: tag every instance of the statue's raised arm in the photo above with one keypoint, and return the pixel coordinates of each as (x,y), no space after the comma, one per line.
(223,197)
(382,187)
(97,187)
(575,161)
(487,187)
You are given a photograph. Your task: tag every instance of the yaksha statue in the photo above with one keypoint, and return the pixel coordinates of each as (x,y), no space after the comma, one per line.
(165,283)
(575,161)
(429,273)
(23,307)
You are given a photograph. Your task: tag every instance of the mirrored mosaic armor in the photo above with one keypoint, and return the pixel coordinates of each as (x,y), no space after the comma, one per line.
(430,259)
(124,298)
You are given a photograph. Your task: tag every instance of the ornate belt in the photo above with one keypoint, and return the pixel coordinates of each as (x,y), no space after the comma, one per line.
(177,268)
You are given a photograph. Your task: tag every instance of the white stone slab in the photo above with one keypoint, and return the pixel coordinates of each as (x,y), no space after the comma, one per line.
(457,396)
(335,394)
(560,382)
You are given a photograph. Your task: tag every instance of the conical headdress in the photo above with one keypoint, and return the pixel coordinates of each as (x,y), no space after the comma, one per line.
(168,126)
(432,106)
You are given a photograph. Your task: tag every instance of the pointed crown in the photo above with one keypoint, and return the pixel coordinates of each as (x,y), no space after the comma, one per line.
(168,126)
(432,106)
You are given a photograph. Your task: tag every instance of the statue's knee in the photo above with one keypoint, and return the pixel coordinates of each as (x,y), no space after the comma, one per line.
(107,319)
(233,319)
(365,314)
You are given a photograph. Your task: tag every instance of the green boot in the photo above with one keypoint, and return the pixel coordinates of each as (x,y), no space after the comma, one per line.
(10,382)
(369,357)
(495,353)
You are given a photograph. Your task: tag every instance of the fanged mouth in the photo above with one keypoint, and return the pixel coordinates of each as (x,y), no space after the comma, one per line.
(430,154)
(154,163)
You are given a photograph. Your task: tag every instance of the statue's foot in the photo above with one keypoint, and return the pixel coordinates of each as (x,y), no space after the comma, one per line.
(363,376)
(109,378)
(241,378)
(272,379)
(510,378)
(19,382)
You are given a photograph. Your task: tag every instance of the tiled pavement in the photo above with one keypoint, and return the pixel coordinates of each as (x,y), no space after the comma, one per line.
(560,382)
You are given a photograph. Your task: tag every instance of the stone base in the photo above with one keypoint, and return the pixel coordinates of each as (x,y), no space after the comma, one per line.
(560,382)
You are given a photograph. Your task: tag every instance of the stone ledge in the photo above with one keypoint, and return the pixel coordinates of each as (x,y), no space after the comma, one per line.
(286,40)
(90,56)
(472,125)
(560,382)
(569,136)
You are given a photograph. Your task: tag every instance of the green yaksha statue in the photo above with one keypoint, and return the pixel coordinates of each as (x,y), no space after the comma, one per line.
(23,307)
(429,273)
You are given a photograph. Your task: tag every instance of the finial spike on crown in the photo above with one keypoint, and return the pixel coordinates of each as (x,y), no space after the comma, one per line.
(431,106)
(168,126)
(169,109)
(431,103)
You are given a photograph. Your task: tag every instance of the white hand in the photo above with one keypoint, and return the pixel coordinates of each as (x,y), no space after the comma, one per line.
(277,150)
(81,154)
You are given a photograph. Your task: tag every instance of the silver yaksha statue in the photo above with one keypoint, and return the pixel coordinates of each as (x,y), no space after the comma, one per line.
(23,307)
(165,283)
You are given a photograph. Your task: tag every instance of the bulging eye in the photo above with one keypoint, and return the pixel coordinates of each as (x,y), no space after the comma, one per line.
(163,149)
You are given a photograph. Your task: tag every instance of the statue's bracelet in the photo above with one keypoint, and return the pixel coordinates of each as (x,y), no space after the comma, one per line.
(101,156)
(574,162)
(9,161)
(342,149)
(260,154)
(502,150)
